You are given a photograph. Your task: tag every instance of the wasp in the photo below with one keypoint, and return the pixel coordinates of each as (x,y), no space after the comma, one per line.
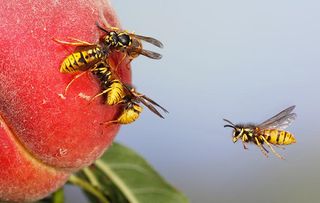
(270,132)
(111,86)
(85,56)
(131,108)
(128,43)
(88,55)
(123,94)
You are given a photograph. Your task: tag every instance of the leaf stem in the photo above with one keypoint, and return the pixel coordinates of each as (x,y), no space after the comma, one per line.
(117,181)
(87,187)
(91,177)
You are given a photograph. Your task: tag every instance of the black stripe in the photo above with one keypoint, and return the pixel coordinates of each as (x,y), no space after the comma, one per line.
(75,61)
(82,58)
(278,136)
(284,136)
(67,68)
(268,138)
(289,137)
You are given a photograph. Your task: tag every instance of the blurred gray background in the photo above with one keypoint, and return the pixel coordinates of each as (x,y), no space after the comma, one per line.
(241,60)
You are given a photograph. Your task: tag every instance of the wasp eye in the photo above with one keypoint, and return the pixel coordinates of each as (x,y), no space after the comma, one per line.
(236,132)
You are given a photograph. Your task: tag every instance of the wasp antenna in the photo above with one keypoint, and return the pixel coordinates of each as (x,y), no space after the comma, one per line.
(226,120)
(230,126)
(101,28)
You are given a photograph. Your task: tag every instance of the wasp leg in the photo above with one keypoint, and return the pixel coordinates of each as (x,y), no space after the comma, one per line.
(264,148)
(243,143)
(76,42)
(279,147)
(122,59)
(100,94)
(110,122)
(80,41)
(261,148)
(114,28)
(244,146)
(135,93)
(70,83)
(276,153)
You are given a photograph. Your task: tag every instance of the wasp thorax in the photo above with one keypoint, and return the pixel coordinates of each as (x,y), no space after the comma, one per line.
(124,39)
(135,48)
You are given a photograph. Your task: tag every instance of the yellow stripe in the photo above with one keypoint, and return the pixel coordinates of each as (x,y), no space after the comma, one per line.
(65,66)
(281,136)
(274,136)
(72,60)
(77,56)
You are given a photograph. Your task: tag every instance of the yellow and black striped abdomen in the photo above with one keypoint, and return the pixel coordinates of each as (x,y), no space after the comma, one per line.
(81,60)
(130,114)
(115,92)
(278,137)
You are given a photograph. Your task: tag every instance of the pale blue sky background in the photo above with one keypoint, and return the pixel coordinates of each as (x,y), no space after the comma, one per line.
(242,60)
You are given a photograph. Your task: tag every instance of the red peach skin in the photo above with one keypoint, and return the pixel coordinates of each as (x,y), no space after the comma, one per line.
(44,137)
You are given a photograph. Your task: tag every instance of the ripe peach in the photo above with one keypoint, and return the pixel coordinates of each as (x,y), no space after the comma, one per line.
(45,136)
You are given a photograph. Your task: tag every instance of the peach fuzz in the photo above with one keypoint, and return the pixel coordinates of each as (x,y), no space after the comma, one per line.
(44,136)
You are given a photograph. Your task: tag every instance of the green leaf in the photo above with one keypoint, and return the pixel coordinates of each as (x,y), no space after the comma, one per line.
(88,188)
(135,178)
(121,176)
(58,196)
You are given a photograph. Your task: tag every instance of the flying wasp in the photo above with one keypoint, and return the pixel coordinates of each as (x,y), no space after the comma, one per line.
(270,132)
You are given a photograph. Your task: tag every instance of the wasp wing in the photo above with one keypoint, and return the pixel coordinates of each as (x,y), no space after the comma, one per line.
(150,107)
(155,103)
(150,54)
(149,103)
(150,40)
(280,121)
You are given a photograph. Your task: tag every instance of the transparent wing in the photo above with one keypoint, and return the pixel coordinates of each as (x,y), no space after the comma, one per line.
(151,40)
(149,103)
(280,121)
(150,54)
(150,107)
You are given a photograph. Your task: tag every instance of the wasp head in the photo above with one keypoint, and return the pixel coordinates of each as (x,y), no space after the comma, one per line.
(237,131)
(111,39)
